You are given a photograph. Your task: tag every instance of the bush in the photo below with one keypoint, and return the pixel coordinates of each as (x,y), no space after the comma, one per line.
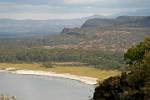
(135,85)
(47,65)
(120,88)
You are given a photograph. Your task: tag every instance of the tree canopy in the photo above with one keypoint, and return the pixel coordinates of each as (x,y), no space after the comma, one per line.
(133,84)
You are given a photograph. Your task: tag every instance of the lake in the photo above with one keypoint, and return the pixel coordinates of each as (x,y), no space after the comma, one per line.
(32,87)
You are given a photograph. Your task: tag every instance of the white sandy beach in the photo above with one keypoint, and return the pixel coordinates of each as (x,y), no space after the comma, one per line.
(84,79)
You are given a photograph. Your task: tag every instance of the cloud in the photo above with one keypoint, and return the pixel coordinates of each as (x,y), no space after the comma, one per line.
(43,9)
(43,16)
(34,2)
(28,8)
(102,3)
(80,1)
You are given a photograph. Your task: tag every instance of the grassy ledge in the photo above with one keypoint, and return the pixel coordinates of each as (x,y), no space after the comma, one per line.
(60,68)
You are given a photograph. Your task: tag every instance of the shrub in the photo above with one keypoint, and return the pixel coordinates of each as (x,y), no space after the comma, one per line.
(135,85)
(47,65)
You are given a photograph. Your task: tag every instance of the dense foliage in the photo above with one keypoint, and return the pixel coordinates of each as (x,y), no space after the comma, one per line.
(135,55)
(97,58)
(133,84)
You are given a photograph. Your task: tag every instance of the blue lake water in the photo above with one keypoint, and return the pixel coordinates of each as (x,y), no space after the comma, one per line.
(32,87)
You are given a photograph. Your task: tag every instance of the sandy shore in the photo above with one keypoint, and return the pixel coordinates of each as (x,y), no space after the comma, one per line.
(84,79)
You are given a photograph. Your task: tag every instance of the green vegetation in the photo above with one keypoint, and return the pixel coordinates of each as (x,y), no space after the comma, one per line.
(73,68)
(133,84)
(3,97)
(47,65)
(96,58)
(135,55)
(99,42)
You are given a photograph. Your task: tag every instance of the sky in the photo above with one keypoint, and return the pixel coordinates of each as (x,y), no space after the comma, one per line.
(68,9)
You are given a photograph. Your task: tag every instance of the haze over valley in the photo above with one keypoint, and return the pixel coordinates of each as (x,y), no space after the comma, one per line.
(74,49)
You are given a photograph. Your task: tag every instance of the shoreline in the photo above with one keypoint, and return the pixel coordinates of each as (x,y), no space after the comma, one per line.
(83,79)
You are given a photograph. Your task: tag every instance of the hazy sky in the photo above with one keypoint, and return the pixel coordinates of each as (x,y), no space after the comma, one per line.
(64,9)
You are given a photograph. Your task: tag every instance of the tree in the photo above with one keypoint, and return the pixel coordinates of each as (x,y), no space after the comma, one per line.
(135,55)
(131,85)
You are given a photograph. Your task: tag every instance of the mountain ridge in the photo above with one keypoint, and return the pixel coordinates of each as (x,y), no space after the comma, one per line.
(119,21)
(29,27)
(111,34)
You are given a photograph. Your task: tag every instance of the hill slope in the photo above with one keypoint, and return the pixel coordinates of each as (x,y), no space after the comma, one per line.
(134,21)
(111,34)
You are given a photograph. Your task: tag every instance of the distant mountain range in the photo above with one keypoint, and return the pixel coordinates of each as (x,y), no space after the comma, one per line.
(94,32)
(94,39)
(135,21)
(28,28)
(110,34)
(22,28)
